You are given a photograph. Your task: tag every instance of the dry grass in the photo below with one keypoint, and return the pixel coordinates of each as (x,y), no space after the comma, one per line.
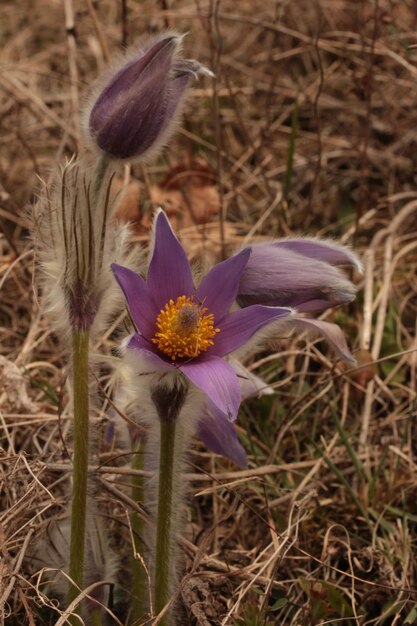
(309,127)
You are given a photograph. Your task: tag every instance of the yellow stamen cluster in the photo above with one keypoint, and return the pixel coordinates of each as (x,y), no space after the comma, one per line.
(183,329)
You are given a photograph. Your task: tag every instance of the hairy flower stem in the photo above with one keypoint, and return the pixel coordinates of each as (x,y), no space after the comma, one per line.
(139,579)
(80,360)
(100,207)
(163,530)
(80,345)
(95,618)
(100,171)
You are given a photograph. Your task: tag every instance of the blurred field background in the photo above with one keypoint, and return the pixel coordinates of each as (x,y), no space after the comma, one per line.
(309,127)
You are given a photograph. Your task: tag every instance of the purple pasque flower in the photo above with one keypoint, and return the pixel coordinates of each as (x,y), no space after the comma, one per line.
(304,274)
(188,330)
(135,112)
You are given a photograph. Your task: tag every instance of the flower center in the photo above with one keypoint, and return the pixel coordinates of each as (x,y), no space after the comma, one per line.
(183,329)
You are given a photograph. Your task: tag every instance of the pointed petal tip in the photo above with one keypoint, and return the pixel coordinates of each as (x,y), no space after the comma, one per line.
(160,214)
(124,344)
(169,271)
(206,71)
(168,39)
(347,298)
(329,331)
(115,267)
(179,36)
(226,274)
(161,220)
(220,435)
(349,358)
(118,272)
(358,265)
(142,311)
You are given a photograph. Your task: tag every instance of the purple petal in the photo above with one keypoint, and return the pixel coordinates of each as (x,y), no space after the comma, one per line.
(141,309)
(328,251)
(331,332)
(146,349)
(217,379)
(169,274)
(220,436)
(174,97)
(158,54)
(276,276)
(238,327)
(182,72)
(177,90)
(218,289)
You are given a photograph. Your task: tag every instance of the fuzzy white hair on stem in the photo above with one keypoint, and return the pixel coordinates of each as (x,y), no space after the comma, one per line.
(102,562)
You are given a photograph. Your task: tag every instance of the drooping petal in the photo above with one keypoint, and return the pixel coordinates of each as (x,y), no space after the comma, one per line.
(148,353)
(238,327)
(169,274)
(141,308)
(219,287)
(280,277)
(331,332)
(322,250)
(220,436)
(217,380)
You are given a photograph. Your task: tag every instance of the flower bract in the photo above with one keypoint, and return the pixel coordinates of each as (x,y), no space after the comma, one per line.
(76,241)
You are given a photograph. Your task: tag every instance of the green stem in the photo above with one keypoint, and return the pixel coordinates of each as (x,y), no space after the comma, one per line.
(100,196)
(99,175)
(95,618)
(164,520)
(80,348)
(139,579)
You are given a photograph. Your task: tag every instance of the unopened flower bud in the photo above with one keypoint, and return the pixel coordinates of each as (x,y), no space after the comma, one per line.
(136,111)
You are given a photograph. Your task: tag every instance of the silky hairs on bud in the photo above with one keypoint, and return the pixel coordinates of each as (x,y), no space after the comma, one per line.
(136,108)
